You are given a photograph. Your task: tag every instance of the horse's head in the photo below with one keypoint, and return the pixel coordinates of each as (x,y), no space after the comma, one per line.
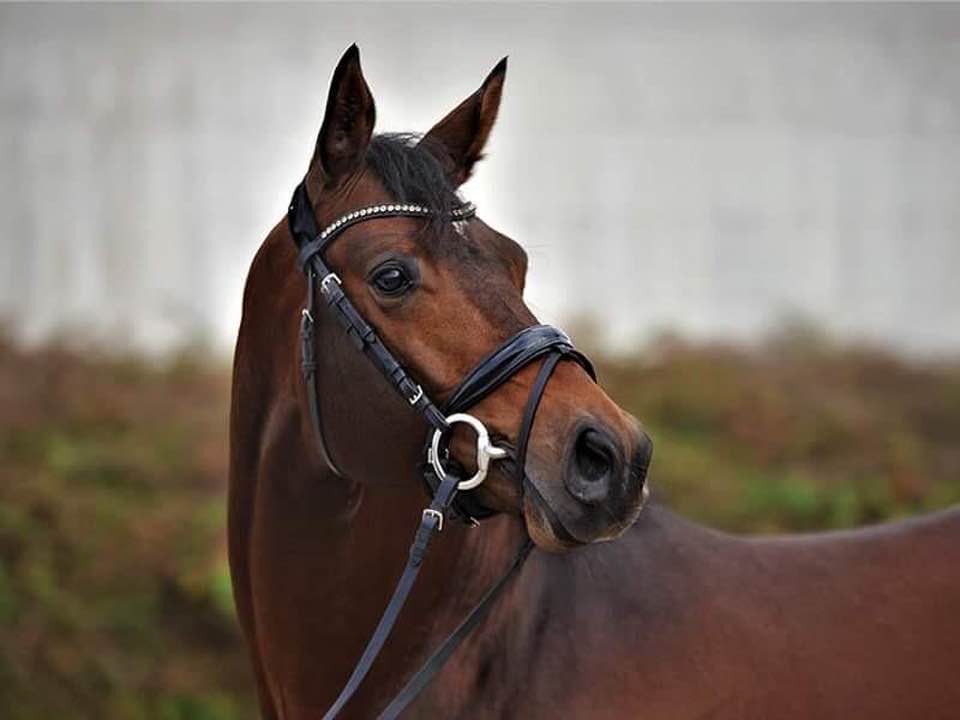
(442,296)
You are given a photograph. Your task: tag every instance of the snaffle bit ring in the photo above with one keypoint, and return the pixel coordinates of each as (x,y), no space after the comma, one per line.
(486,451)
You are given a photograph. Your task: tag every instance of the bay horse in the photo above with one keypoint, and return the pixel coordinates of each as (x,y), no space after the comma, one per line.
(616,612)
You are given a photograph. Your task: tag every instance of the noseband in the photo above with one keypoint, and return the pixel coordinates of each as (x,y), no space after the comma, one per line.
(450,492)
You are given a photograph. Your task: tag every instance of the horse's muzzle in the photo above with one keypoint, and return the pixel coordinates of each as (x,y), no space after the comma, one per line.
(604,475)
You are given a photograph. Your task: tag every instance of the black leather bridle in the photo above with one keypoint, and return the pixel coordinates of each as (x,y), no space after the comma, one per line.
(450,492)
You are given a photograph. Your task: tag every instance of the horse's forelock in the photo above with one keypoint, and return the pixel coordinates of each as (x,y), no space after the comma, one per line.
(410,173)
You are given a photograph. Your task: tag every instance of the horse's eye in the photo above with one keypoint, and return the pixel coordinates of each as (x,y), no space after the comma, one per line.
(391,280)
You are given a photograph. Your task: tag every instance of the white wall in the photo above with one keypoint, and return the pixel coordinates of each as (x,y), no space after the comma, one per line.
(704,168)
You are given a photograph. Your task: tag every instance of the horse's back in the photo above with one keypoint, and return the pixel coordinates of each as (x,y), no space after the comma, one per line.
(856,623)
(693,623)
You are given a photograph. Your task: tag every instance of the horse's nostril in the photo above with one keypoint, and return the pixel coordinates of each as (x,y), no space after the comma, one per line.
(594,456)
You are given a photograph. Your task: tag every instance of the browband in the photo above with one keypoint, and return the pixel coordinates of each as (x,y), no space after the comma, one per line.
(319,243)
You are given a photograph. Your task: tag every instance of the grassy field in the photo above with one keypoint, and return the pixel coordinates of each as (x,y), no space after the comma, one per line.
(114,593)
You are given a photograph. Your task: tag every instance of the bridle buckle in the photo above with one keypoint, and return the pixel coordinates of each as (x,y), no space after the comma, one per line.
(427,512)
(415,398)
(327,279)
(486,451)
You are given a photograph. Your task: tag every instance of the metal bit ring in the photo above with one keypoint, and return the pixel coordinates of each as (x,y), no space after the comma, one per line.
(486,451)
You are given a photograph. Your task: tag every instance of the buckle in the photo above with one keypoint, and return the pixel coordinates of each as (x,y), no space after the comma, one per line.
(486,451)
(416,396)
(435,513)
(327,279)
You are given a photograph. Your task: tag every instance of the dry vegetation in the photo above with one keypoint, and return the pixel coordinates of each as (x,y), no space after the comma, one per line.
(114,591)
(114,594)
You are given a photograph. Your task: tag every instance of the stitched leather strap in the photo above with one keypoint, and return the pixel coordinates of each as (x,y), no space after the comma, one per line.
(440,656)
(369,343)
(530,411)
(429,525)
(308,365)
(504,362)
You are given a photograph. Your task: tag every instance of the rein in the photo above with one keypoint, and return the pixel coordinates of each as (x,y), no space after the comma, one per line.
(450,492)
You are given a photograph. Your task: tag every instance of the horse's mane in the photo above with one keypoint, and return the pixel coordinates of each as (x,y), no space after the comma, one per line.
(410,173)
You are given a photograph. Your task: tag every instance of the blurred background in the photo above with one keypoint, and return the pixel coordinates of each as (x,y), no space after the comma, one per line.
(749,213)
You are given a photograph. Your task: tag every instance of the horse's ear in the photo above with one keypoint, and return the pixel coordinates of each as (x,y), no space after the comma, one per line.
(458,139)
(347,123)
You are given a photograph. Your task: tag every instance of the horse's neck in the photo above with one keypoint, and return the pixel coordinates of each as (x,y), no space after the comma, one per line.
(364,557)
(617,604)
(461,563)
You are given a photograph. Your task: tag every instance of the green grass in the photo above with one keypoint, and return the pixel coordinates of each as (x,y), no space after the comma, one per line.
(114,591)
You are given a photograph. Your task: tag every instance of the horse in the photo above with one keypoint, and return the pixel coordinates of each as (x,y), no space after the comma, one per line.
(620,610)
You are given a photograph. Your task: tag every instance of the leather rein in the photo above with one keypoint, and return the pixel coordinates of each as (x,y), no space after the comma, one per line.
(451,493)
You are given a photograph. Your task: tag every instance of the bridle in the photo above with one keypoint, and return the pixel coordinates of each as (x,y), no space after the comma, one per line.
(450,492)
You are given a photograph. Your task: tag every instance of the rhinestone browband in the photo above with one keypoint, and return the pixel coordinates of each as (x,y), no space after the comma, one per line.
(463,212)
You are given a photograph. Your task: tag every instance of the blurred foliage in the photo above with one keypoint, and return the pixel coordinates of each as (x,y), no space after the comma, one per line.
(793,435)
(115,596)
(114,590)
